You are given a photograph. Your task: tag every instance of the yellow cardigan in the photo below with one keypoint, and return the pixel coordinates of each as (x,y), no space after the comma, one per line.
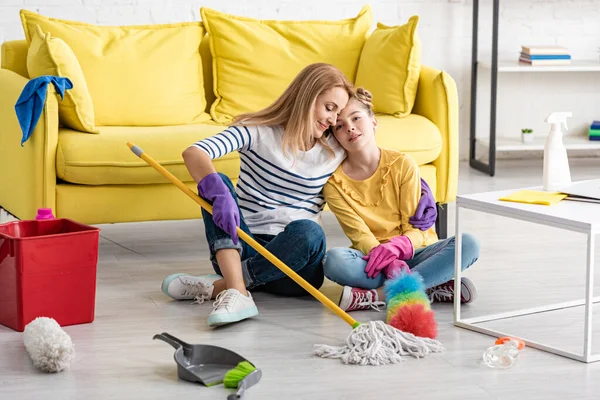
(374,210)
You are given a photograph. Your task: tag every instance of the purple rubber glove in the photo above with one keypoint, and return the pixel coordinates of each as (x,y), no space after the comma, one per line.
(395,268)
(398,248)
(225,211)
(426,212)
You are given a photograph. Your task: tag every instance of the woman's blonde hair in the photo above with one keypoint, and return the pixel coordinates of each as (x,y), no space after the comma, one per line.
(294,109)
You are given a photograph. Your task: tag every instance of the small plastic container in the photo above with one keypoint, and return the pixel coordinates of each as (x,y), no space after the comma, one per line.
(44,213)
(504,354)
(47,268)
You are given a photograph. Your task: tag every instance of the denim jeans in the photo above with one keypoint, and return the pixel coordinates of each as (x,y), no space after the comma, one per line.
(435,263)
(301,246)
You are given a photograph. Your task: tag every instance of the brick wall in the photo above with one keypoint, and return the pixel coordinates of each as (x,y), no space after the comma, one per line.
(445,30)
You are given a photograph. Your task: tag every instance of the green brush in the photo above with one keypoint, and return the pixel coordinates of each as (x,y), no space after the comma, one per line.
(235,375)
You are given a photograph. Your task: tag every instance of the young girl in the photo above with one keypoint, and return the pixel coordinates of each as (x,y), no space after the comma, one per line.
(373,193)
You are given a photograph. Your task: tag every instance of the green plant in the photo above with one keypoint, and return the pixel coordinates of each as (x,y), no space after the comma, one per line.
(526,130)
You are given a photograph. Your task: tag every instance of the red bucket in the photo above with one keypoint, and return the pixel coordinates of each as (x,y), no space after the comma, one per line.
(47,269)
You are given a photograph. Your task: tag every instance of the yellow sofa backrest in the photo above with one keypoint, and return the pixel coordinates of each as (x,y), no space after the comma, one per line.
(13,57)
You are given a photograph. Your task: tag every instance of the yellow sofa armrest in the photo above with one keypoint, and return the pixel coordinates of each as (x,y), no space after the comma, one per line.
(27,174)
(437,100)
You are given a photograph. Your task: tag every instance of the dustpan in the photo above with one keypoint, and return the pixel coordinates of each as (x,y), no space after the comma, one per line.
(207,364)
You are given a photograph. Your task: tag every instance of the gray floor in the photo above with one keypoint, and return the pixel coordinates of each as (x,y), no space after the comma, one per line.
(521,265)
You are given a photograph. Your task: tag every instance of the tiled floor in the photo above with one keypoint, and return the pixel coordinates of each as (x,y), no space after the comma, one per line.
(520,265)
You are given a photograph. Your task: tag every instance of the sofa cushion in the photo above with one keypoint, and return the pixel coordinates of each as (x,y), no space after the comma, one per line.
(389,67)
(141,75)
(255,60)
(414,134)
(104,159)
(52,56)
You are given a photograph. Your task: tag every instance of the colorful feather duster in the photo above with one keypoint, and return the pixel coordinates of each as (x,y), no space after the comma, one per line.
(408,307)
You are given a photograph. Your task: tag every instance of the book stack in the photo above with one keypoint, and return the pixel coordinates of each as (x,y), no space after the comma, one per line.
(594,131)
(544,55)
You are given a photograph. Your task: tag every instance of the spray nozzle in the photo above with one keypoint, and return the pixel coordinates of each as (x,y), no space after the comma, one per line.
(559,117)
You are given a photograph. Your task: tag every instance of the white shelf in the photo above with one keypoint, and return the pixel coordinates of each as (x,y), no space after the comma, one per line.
(515,144)
(514,66)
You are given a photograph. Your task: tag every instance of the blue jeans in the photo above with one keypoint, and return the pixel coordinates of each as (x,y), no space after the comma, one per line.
(435,263)
(301,246)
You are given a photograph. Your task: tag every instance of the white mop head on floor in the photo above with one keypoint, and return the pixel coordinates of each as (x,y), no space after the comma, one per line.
(48,345)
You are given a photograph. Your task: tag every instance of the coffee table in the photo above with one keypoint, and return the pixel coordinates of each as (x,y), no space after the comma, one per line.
(569,215)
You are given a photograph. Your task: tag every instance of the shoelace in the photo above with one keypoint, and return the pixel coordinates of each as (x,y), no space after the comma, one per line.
(224,299)
(440,293)
(366,300)
(191,288)
(201,299)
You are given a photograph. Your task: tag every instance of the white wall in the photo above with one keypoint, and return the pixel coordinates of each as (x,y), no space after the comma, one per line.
(445,30)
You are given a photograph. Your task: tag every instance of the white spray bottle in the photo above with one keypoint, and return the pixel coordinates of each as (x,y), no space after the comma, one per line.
(557,174)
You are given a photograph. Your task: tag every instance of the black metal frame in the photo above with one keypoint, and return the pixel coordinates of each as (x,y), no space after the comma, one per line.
(441,223)
(489,168)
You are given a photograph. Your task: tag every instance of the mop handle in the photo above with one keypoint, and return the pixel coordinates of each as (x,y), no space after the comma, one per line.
(248,239)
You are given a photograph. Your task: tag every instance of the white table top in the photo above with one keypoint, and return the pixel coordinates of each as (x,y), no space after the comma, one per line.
(572,215)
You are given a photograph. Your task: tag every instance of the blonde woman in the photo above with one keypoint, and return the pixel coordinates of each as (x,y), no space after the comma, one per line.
(373,193)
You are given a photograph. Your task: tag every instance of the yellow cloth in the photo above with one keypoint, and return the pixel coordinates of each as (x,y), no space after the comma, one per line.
(48,55)
(139,75)
(389,67)
(255,60)
(374,210)
(534,197)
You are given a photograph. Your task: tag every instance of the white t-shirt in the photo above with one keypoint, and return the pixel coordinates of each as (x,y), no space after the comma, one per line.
(274,190)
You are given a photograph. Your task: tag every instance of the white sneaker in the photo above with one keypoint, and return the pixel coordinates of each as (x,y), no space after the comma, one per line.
(188,287)
(231,306)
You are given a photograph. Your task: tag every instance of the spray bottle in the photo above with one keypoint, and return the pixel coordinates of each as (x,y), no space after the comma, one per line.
(557,174)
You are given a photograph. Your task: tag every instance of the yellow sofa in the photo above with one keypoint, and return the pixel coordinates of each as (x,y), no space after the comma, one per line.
(93,178)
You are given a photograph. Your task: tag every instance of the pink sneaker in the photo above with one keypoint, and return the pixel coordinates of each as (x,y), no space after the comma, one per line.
(445,291)
(354,299)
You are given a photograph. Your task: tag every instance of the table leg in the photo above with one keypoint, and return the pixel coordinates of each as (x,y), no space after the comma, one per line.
(457,264)
(589,294)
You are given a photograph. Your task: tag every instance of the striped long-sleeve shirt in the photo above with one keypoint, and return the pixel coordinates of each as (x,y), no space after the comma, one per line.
(274,190)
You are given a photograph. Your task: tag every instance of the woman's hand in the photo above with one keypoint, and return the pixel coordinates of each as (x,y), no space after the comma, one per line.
(225,211)
(426,213)
(398,248)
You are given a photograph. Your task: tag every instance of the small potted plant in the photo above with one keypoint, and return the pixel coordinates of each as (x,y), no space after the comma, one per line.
(526,135)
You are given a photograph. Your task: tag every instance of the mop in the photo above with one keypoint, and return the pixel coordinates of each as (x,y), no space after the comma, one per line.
(370,343)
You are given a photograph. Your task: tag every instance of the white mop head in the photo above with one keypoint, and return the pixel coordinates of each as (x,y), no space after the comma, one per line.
(376,343)
(50,348)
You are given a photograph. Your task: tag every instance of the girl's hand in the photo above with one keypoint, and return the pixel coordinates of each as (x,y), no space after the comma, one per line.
(395,268)
(398,248)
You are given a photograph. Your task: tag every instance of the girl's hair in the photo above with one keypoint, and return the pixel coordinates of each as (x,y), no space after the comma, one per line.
(294,109)
(364,97)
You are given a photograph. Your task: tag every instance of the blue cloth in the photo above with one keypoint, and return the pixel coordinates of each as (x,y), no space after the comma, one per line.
(30,104)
